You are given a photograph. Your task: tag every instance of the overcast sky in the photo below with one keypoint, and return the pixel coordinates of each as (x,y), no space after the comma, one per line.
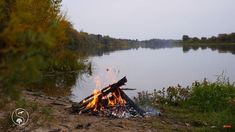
(146,19)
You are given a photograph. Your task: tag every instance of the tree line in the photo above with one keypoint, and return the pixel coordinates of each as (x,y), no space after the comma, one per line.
(220,38)
(96,44)
(222,43)
(34,39)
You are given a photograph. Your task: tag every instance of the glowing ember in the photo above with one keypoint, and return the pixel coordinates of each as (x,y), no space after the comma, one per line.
(98,101)
(110,101)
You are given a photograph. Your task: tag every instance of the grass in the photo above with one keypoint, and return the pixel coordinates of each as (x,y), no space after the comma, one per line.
(47,114)
(211,97)
(46,111)
(22,103)
(38,113)
(205,106)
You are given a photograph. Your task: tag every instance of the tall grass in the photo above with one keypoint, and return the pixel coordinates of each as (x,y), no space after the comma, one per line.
(215,100)
(211,97)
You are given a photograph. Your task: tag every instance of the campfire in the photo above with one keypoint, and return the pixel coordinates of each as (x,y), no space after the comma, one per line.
(110,101)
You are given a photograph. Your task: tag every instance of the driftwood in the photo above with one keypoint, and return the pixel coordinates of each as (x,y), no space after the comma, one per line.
(81,106)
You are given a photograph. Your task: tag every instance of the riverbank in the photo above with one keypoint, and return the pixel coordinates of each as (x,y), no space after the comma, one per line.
(205,105)
(205,44)
(52,114)
(220,47)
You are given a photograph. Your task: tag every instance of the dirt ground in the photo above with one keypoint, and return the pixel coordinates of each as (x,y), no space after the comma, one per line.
(49,114)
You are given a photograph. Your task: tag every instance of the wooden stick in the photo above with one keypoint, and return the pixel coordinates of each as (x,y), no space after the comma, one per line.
(131,103)
(77,107)
(92,95)
(128,88)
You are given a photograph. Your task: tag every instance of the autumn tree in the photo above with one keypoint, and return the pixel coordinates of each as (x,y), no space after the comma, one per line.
(33,40)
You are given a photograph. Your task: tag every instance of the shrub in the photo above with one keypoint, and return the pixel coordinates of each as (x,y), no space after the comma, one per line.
(209,97)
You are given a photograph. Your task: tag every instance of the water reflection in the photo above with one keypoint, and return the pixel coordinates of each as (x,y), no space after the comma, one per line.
(56,84)
(220,48)
(148,69)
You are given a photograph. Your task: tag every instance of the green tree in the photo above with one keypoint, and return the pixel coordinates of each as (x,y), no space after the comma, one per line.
(203,39)
(222,38)
(32,40)
(185,38)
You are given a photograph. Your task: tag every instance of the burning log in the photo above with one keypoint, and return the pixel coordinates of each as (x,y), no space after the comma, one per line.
(132,104)
(108,97)
(128,88)
(111,88)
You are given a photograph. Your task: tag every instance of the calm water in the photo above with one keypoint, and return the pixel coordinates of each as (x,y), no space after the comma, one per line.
(148,69)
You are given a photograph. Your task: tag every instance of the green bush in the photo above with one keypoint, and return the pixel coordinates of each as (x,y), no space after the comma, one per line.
(213,103)
(211,97)
(174,96)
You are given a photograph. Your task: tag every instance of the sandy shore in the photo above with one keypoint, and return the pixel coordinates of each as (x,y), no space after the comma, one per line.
(49,114)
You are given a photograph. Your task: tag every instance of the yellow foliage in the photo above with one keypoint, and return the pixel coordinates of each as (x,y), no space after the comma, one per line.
(33,37)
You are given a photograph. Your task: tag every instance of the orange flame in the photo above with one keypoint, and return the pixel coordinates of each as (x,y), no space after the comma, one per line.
(117,99)
(111,99)
(94,102)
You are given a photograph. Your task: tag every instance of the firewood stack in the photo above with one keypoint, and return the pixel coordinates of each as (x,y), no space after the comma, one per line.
(110,101)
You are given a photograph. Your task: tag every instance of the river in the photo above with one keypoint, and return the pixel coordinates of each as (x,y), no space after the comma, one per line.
(149,69)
